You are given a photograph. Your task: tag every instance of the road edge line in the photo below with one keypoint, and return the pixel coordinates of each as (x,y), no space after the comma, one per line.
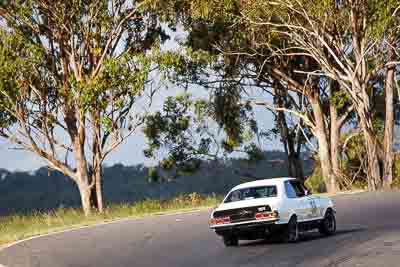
(117,220)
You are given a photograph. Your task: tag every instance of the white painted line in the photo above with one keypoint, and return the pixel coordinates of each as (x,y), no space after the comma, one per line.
(2,265)
(101,224)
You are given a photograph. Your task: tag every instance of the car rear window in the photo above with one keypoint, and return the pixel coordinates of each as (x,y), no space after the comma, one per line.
(252,193)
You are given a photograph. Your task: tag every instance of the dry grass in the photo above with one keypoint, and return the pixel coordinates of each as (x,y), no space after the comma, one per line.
(17,227)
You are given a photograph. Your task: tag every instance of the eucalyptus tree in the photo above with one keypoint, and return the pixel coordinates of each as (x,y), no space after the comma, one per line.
(228,78)
(352,42)
(71,75)
(246,55)
(188,133)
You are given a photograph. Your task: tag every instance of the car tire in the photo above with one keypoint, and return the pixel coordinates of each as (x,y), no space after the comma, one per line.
(231,241)
(291,231)
(327,226)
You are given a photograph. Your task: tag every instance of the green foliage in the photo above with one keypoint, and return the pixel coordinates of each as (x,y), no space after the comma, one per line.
(76,61)
(396,183)
(255,154)
(17,59)
(153,174)
(229,113)
(72,74)
(360,184)
(396,166)
(396,172)
(340,99)
(174,129)
(316,181)
(185,130)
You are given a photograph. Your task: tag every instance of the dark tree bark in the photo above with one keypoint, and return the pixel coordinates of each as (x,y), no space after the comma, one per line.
(288,139)
(335,142)
(336,123)
(389,120)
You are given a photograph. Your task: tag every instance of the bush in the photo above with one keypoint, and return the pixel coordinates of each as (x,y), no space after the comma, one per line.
(396,172)
(396,166)
(396,183)
(315,182)
(153,175)
(360,184)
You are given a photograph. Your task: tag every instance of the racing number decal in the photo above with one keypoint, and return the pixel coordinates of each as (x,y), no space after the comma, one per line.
(314,208)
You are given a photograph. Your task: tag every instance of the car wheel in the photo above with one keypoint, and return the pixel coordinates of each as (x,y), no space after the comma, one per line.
(328,224)
(231,241)
(291,233)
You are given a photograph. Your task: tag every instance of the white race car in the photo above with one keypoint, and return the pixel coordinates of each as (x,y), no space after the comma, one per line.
(259,209)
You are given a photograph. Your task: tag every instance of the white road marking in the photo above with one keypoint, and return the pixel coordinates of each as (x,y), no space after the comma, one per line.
(166,214)
(2,265)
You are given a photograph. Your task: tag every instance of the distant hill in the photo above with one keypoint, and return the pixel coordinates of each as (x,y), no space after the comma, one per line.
(45,190)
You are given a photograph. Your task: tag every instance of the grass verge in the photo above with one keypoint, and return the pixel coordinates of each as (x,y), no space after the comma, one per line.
(18,227)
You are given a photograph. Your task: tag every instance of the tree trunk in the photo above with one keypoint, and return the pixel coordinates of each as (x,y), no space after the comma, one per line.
(361,97)
(85,193)
(335,142)
(389,123)
(99,189)
(371,144)
(323,145)
(295,166)
(82,171)
(97,163)
(374,174)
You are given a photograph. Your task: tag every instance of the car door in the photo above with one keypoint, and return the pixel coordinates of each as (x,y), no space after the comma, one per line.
(298,201)
(308,203)
(316,208)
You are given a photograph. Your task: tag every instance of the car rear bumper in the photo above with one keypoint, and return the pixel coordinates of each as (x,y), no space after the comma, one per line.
(248,230)
(244,224)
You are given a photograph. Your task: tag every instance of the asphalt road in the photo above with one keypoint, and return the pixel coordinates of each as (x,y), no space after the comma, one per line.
(368,235)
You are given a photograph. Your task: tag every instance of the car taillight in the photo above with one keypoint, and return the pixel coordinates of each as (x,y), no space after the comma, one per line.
(260,216)
(223,220)
(266,215)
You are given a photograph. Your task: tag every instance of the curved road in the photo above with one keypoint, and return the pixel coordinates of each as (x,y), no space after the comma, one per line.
(368,235)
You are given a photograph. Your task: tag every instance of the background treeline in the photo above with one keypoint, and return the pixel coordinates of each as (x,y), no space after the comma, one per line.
(44,190)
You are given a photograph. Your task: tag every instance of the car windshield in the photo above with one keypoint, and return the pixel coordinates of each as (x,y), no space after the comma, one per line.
(252,193)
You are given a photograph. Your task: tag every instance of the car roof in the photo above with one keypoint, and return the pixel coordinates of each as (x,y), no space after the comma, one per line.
(263,182)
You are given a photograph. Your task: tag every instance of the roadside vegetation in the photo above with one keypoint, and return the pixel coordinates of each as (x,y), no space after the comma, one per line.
(17,227)
(78,78)
(128,184)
